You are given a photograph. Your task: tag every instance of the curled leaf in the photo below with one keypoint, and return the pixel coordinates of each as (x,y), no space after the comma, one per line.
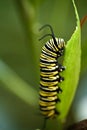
(72,61)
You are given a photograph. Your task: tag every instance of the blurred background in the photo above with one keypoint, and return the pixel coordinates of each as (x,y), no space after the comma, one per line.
(19,59)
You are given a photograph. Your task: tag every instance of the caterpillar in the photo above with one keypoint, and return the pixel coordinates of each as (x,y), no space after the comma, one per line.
(50,74)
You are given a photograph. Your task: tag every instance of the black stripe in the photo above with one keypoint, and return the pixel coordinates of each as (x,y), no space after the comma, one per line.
(50,49)
(42,96)
(48,54)
(41,108)
(47,100)
(48,90)
(49,108)
(49,80)
(50,62)
(54,44)
(45,106)
(47,86)
(48,70)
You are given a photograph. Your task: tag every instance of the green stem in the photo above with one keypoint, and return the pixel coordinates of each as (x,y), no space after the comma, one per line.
(16,85)
(27,15)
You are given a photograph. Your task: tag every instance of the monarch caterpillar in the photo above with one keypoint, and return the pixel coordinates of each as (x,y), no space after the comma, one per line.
(50,74)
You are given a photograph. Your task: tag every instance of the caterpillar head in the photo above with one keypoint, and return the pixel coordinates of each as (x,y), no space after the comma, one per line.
(61,46)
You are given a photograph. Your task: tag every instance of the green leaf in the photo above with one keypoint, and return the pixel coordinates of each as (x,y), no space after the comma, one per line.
(72,61)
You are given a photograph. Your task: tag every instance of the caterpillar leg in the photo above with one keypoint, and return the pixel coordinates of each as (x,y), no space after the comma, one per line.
(59,90)
(60,79)
(61,68)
